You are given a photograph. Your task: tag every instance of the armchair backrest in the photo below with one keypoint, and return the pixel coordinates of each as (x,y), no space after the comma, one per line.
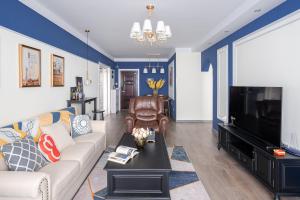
(146,108)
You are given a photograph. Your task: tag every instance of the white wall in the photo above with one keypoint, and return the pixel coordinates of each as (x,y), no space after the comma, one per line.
(271,57)
(21,103)
(193,88)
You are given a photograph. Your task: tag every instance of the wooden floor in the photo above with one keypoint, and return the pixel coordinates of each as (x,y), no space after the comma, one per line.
(222,176)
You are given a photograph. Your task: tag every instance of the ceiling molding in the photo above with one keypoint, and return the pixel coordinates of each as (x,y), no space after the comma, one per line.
(42,10)
(141,59)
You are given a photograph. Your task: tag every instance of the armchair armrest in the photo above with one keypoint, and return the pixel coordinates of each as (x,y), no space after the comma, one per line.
(17,185)
(162,118)
(130,120)
(98,126)
(163,123)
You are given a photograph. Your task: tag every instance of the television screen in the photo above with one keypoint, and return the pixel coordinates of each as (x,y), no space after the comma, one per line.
(257,110)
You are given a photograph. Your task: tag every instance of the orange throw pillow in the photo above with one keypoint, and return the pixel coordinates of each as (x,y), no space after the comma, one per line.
(48,148)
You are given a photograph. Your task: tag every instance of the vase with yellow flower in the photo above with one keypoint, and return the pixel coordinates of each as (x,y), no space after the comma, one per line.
(155,85)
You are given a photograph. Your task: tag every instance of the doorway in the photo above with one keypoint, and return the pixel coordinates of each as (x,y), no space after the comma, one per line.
(104,85)
(129,86)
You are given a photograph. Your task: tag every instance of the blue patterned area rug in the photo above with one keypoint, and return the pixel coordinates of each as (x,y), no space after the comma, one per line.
(184,182)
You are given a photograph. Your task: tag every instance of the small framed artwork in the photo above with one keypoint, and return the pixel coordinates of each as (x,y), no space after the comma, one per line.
(29,66)
(57,71)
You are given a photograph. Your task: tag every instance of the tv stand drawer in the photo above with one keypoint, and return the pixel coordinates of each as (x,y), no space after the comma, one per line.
(234,151)
(246,161)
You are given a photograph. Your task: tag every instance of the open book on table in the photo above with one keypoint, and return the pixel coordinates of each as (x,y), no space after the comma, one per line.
(122,154)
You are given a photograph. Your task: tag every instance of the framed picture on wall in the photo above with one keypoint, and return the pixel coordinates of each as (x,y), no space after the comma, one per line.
(29,66)
(57,71)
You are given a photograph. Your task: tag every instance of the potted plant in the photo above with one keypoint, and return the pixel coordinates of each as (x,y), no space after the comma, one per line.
(155,85)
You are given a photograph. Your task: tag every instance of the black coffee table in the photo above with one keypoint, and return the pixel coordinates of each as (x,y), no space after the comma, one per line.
(146,176)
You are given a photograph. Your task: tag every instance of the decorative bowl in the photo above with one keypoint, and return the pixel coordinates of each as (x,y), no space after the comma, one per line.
(140,136)
(140,143)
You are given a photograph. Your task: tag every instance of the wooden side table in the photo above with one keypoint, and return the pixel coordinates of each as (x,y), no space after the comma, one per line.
(83,102)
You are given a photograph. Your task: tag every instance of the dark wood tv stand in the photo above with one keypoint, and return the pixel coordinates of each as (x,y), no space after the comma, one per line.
(281,175)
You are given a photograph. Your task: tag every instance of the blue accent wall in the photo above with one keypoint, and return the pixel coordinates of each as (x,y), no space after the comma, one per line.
(173,102)
(209,56)
(16,16)
(144,89)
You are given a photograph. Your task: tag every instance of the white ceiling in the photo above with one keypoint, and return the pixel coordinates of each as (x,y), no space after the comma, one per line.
(195,24)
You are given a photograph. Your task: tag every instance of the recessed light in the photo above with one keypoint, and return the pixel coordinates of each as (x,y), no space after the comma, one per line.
(257,10)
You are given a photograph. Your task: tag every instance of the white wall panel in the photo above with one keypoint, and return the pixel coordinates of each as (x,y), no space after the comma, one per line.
(222,83)
(193,88)
(271,57)
(21,103)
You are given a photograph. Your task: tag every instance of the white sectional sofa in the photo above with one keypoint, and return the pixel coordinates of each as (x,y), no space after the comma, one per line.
(60,180)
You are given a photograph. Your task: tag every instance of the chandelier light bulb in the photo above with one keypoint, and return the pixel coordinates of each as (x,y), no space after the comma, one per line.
(168,32)
(145,71)
(136,28)
(147,28)
(160,28)
(153,70)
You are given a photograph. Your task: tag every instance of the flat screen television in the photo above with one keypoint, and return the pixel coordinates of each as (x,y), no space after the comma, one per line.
(257,110)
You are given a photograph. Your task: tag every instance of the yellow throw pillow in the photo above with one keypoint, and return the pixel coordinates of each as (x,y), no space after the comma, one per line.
(65,119)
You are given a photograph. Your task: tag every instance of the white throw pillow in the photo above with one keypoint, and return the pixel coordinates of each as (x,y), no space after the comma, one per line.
(60,135)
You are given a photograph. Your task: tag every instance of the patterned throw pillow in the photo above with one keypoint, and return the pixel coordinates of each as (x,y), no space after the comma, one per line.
(9,135)
(48,148)
(80,125)
(23,155)
(32,128)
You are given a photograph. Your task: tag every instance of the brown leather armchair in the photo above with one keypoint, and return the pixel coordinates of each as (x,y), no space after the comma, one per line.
(147,112)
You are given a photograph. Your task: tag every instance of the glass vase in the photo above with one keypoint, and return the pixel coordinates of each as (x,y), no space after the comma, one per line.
(155,92)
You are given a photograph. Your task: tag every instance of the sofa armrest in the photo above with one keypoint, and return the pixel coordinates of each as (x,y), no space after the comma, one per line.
(15,185)
(98,126)
(130,120)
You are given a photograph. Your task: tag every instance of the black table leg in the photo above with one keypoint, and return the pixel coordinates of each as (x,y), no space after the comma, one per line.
(68,103)
(83,108)
(95,109)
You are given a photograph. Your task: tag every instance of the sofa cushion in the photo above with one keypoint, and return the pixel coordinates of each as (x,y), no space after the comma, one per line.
(147,124)
(23,155)
(60,135)
(98,139)
(146,115)
(81,152)
(62,175)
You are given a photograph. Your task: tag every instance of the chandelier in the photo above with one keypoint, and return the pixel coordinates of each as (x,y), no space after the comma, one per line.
(147,34)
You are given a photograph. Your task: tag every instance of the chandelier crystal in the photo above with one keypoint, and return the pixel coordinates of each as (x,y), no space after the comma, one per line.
(147,34)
